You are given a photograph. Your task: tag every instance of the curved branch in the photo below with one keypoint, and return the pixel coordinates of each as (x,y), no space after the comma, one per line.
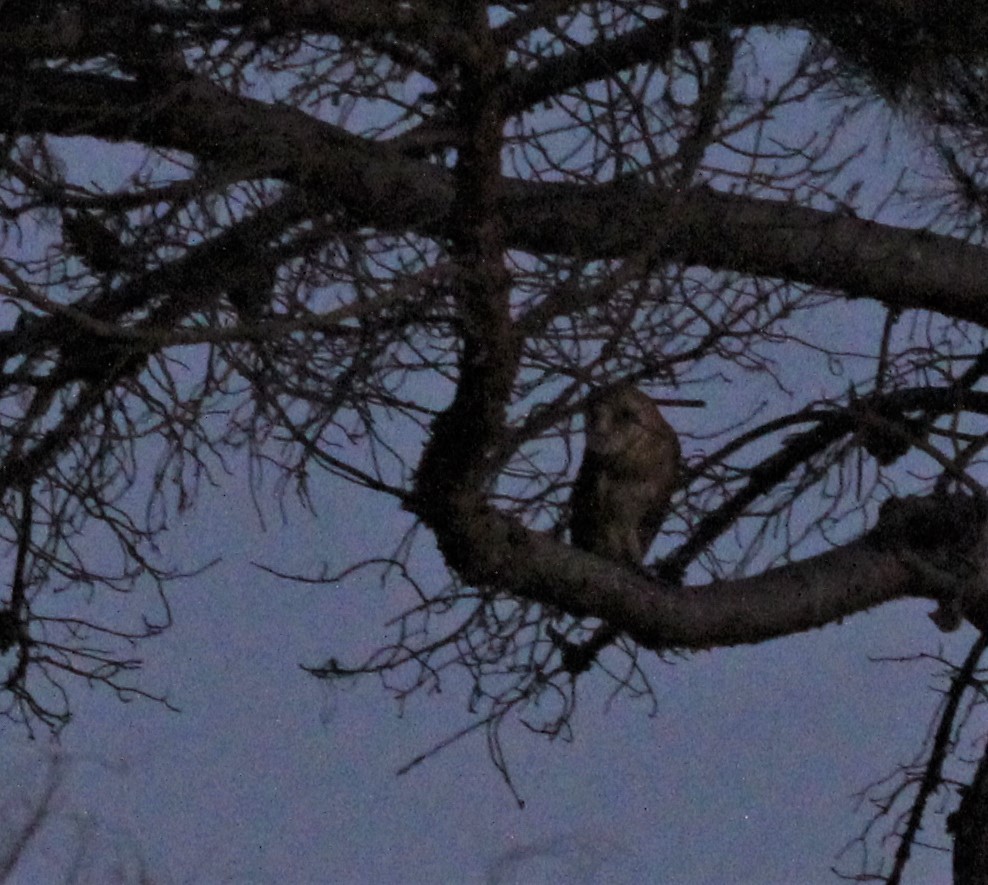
(488,548)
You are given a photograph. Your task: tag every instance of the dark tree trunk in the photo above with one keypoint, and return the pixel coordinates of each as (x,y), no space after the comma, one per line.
(969,825)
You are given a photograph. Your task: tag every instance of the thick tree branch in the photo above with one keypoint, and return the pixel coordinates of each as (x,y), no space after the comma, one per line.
(861,259)
(969,826)
(380,187)
(458,463)
(495,550)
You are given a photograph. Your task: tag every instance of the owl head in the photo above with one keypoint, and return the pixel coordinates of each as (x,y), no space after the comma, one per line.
(619,416)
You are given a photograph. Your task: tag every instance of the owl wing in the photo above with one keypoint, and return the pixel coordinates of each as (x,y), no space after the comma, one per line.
(585,505)
(663,481)
(662,489)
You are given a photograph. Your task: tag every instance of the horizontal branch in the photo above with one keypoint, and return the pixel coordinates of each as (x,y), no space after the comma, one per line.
(861,259)
(382,188)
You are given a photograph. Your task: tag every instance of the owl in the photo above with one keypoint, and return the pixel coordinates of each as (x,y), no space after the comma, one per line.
(630,469)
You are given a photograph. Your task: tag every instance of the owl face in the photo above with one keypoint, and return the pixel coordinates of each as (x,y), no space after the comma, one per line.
(615,422)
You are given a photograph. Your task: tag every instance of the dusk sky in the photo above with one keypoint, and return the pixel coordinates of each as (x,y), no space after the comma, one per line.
(746,773)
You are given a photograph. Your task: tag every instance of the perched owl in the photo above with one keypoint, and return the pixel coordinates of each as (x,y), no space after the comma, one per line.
(629,472)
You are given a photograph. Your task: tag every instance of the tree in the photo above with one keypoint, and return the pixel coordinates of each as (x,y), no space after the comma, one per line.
(404,242)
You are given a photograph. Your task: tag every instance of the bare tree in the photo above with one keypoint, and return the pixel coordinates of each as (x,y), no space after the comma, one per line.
(404,242)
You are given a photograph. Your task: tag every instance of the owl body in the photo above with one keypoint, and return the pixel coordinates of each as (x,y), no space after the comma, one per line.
(630,469)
